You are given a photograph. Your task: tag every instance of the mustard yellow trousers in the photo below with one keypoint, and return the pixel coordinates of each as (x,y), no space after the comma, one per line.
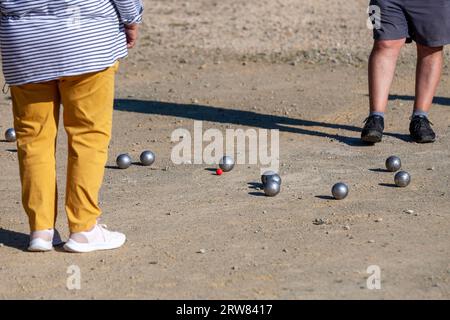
(87,102)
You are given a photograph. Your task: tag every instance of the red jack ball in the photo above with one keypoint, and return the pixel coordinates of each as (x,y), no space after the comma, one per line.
(219,172)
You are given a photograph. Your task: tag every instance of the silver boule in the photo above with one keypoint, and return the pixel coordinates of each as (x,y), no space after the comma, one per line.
(402,179)
(340,191)
(226,163)
(10,135)
(393,163)
(272,188)
(147,158)
(275,177)
(123,161)
(266,174)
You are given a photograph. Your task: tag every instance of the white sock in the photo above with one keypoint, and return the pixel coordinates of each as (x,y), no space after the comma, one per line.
(95,235)
(46,235)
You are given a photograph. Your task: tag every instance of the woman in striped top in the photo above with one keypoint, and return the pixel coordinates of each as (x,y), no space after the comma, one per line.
(65,52)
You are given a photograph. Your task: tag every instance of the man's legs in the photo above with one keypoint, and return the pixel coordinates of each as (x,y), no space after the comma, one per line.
(428,75)
(382,63)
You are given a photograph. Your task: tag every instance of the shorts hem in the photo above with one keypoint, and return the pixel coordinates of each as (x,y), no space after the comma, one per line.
(390,37)
(433,44)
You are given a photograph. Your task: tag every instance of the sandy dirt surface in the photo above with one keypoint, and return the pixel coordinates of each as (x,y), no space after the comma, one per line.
(296,66)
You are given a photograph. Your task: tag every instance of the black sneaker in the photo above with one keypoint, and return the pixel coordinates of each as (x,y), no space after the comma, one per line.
(373,129)
(420,130)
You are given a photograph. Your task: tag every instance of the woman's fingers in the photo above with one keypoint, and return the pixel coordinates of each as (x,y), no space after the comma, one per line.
(132,34)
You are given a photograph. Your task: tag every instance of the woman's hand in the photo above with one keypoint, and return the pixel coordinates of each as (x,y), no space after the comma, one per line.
(131,30)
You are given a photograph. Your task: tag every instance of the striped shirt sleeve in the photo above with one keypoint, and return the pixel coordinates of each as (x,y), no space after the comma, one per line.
(43,40)
(130,11)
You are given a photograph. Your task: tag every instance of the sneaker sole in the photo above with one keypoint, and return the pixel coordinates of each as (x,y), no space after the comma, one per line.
(372,137)
(40,247)
(37,249)
(425,141)
(72,246)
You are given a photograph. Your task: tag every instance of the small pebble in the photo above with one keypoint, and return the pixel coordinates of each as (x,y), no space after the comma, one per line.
(409,211)
(371,241)
(202,251)
(379,220)
(320,221)
(346,227)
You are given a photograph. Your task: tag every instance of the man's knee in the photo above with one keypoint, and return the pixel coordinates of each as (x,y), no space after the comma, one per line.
(425,50)
(389,45)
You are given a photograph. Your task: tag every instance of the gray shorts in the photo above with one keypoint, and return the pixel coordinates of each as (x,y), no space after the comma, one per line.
(427,22)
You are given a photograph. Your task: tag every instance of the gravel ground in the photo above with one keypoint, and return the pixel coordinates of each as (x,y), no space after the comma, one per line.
(296,66)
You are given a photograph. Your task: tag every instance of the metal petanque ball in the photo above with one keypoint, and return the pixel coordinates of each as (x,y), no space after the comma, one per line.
(275,177)
(272,188)
(10,135)
(267,174)
(402,179)
(340,191)
(226,163)
(123,161)
(393,164)
(147,158)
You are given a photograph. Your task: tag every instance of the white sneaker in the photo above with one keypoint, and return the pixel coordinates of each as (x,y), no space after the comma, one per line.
(99,238)
(44,240)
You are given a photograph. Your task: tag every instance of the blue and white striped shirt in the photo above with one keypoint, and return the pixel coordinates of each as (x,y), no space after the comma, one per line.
(43,40)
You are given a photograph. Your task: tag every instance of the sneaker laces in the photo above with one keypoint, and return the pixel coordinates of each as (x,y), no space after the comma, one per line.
(418,123)
(370,118)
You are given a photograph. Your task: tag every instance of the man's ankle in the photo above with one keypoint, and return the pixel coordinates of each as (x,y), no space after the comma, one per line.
(419,113)
(376,113)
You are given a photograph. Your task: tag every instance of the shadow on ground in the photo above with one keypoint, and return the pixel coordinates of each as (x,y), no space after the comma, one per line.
(245,118)
(14,239)
(443,101)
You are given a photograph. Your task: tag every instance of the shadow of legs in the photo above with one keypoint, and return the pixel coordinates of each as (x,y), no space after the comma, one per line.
(14,239)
